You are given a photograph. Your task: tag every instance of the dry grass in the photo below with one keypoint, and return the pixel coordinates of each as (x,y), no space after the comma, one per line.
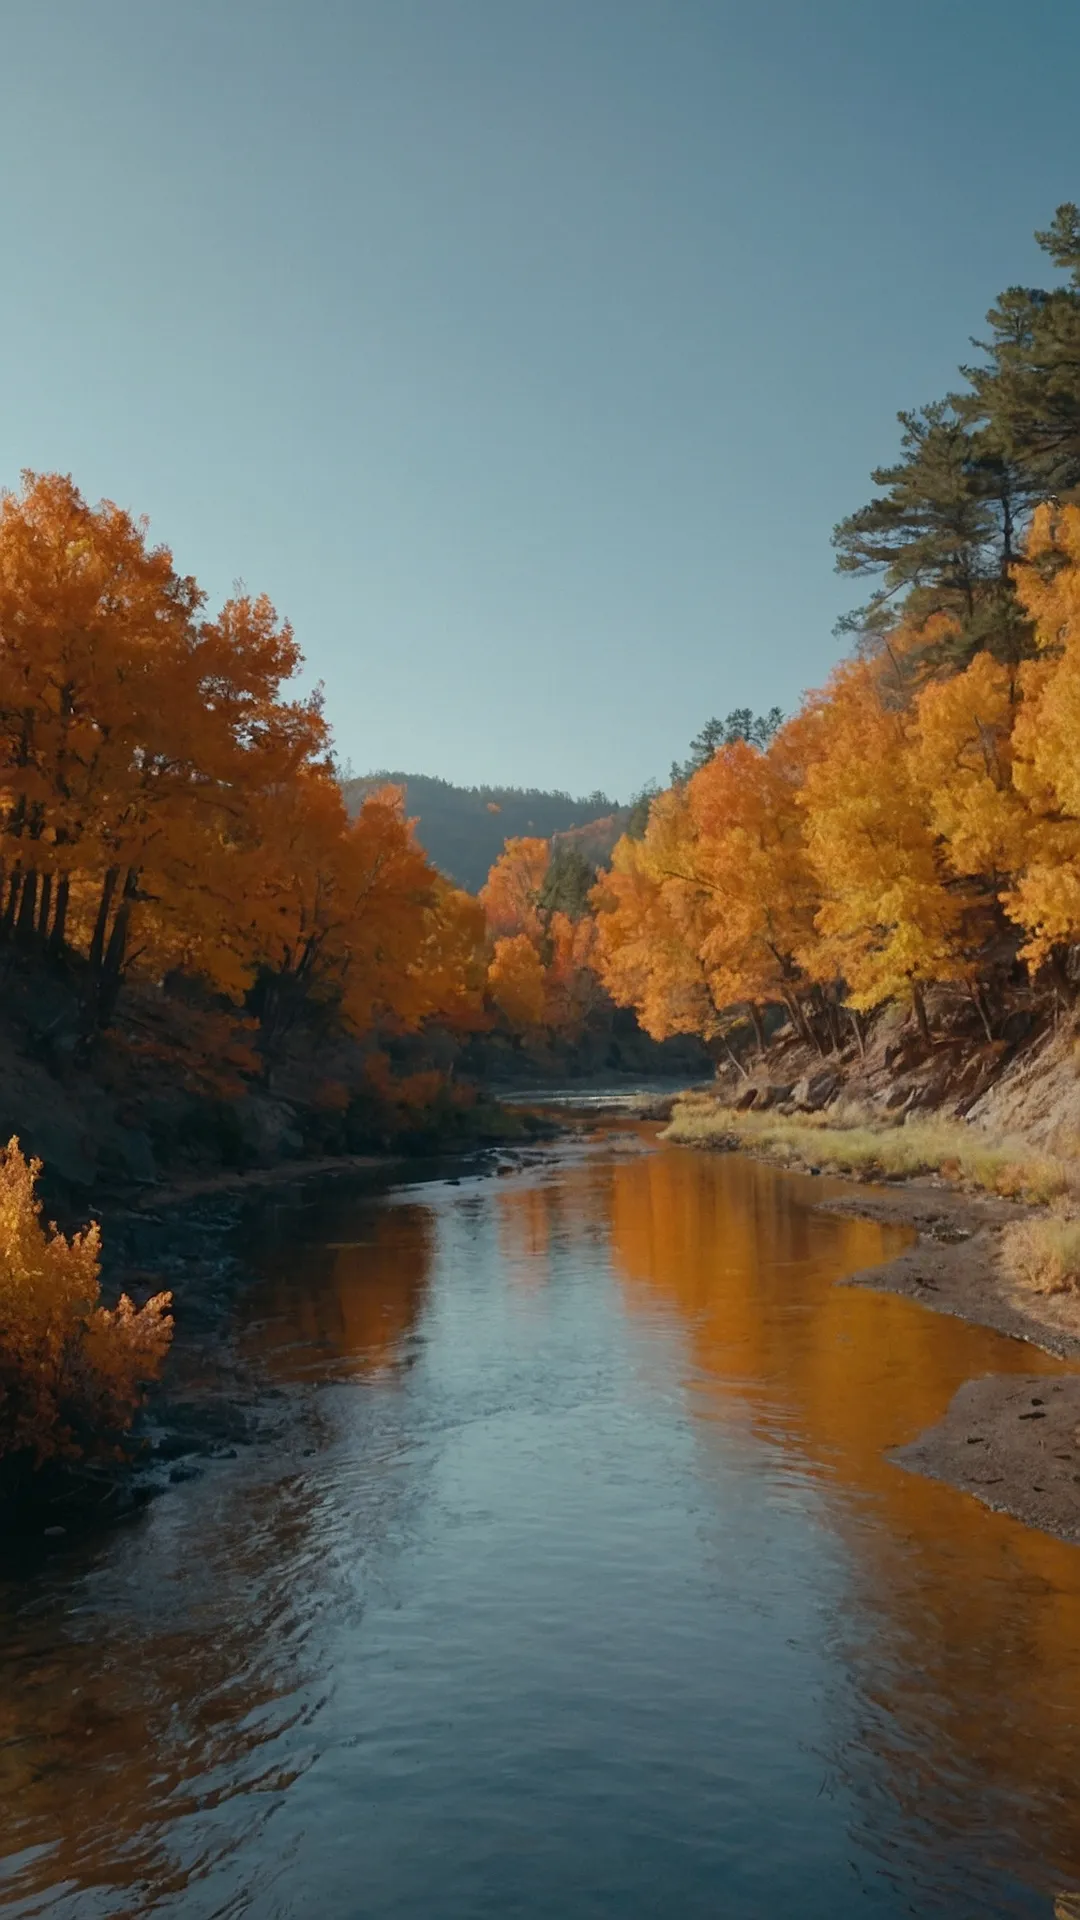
(844,1143)
(1044,1254)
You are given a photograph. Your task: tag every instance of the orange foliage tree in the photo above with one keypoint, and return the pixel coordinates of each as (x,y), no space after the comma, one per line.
(879,845)
(167,805)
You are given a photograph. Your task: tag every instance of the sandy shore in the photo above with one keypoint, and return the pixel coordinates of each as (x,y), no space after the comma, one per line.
(1013,1442)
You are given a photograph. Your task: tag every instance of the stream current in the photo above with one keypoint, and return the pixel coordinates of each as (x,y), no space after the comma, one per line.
(572,1583)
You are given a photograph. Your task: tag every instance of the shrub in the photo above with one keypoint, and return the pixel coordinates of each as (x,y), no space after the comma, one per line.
(1044,1254)
(72,1372)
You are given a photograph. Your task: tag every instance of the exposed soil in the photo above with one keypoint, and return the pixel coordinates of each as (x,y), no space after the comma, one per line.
(954,1264)
(1013,1442)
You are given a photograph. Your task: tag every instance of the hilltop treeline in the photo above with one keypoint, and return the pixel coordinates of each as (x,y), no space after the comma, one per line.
(463,829)
(916,825)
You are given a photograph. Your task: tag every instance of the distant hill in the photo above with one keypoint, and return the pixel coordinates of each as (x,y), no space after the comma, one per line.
(462,829)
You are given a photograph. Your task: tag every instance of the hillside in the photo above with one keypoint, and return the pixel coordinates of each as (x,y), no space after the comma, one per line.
(462,829)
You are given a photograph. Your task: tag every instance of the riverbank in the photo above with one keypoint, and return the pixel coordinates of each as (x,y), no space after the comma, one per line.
(1013,1443)
(187,1238)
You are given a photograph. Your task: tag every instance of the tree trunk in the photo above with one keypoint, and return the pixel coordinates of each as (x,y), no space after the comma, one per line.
(755,1022)
(97,944)
(112,971)
(59,926)
(860,1037)
(24,925)
(978,998)
(919,1003)
(44,907)
(733,1056)
(11,907)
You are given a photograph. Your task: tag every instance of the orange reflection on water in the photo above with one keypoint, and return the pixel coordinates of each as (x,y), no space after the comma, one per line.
(975,1654)
(360,1295)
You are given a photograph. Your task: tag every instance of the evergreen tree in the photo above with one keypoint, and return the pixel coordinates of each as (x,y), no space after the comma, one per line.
(740,724)
(567,884)
(1027,392)
(942,536)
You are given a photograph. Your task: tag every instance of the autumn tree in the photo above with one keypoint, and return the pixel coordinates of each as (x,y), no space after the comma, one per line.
(336,913)
(652,918)
(510,896)
(889,925)
(751,864)
(1045,899)
(516,981)
(72,1372)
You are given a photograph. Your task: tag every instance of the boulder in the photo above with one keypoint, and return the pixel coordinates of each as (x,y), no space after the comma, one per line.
(266,1129)
(815,1090)
(773,1096)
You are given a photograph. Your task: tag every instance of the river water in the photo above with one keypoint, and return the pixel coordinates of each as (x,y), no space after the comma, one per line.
(573,1581)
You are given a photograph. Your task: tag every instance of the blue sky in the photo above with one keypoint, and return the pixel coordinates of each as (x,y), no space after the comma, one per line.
(524,351)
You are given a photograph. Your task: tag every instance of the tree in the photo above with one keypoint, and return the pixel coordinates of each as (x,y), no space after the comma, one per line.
(567,884)
(751,863)
(135,739)
(740,724)
(510,895)
(942,537)
(572,991)
(72,1372)
(338,913)
(516,981)
(888,925)
(652,917)
(1045,899)
(960,756)
(1027,389)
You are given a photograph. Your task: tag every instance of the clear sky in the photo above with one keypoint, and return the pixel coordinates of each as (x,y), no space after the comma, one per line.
(524,351)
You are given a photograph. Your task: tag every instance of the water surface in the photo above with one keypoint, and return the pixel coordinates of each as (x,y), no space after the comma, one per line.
(573,1581)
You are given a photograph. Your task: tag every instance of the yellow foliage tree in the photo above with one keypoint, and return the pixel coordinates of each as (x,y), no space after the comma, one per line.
(516,981)
(751,862)
(511,892)
(72,1372)
(888,925)
(1045,901)
(652,919)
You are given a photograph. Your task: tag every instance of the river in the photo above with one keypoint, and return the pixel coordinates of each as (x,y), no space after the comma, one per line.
(570,1582)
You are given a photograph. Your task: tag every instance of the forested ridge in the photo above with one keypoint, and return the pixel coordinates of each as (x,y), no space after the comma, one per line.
(462,829)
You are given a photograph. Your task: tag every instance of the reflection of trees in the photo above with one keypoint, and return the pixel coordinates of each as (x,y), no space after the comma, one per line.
(537,1217)
(971,1670)
(148,1732)
(350,1299)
